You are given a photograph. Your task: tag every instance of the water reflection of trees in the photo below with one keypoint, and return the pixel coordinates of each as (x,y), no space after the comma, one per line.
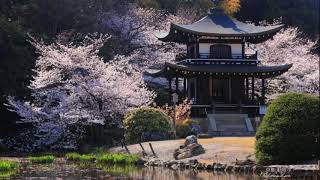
(156,173)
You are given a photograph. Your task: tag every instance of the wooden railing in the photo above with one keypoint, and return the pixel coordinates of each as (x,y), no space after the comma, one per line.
(219,62)
(183,56)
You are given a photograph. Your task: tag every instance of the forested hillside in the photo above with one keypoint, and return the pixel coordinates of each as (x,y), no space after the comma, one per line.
(299,13)
(66,21)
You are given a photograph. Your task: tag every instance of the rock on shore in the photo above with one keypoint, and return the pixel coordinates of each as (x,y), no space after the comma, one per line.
(189,149)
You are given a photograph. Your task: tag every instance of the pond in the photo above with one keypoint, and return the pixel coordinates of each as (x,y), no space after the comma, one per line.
(85,171)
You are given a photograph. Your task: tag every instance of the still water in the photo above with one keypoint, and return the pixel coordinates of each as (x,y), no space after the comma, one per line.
(81,171)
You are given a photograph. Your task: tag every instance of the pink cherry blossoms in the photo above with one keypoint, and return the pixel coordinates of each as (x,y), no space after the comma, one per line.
(287,47)
(74,87)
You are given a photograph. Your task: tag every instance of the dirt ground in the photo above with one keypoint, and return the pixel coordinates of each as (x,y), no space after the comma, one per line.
(219,149)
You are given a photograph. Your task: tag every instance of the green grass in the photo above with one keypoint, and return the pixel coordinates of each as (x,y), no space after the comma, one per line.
(8,165)
(42,159)
(8,168)
(106,158)
(73,156)
(80,158)
(118,159)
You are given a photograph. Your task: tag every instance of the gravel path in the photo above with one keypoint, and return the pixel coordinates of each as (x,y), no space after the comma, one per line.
(221,149)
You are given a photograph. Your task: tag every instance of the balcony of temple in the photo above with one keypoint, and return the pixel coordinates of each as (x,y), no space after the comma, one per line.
(208,56)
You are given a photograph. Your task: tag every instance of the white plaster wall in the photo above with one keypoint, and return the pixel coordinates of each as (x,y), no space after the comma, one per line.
(205,48)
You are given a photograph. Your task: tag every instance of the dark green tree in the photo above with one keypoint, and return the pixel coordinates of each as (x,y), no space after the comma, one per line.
(290,131)
(17,57)
(298,13)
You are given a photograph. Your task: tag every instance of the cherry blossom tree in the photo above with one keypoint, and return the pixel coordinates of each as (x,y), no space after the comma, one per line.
(137,29)
(73,87)
(287,47)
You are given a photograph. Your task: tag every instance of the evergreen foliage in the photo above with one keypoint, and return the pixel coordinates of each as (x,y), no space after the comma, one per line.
(303,14)
(183,130)
(290,131)
(173,5)
(162,96)
(17,58)
(145,120)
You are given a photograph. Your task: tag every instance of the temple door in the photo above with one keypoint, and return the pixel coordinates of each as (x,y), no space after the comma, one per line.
(220,51)
(219,90)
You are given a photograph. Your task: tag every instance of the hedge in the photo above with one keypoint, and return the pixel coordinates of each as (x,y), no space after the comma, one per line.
(145,120)
(289,132)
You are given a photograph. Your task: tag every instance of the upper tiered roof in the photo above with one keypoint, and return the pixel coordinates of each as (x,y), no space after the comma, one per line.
(218,25)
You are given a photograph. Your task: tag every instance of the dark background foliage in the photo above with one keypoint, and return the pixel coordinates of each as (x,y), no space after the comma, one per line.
(47,18)
(16,62)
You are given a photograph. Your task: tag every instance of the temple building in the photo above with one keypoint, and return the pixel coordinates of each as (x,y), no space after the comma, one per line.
(216,73)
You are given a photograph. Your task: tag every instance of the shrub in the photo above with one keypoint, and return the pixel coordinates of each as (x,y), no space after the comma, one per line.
(190,122)
(289,131)
(42,159)
(183,130)
(183,112)
(145,120)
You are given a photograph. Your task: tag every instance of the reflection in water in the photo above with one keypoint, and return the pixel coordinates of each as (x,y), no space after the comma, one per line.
(156,173)
(7,174)
(119,170)
(100,171)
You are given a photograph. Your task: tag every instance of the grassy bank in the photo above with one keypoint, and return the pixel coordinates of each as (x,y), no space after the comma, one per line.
(8,168)
(8,165)
(106,158)
(42,159)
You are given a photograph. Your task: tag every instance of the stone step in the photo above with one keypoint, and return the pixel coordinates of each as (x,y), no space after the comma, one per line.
(232,122)
(222,129)
(228,133)
(240,126)
(229,125)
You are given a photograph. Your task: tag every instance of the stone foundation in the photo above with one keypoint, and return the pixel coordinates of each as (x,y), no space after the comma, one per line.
(294,171)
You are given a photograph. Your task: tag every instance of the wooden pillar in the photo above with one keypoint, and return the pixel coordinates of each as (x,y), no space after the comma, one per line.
(185,87)
(243,50)
(196,90)
(241,96)
(247,89)
(170,89)
(243,90)
(252,89)
(210,87)
(230,90)
(263,92)
(197,51)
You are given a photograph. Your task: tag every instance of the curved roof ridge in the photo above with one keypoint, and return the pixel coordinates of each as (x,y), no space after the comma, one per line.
(221,26)
(256,71)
